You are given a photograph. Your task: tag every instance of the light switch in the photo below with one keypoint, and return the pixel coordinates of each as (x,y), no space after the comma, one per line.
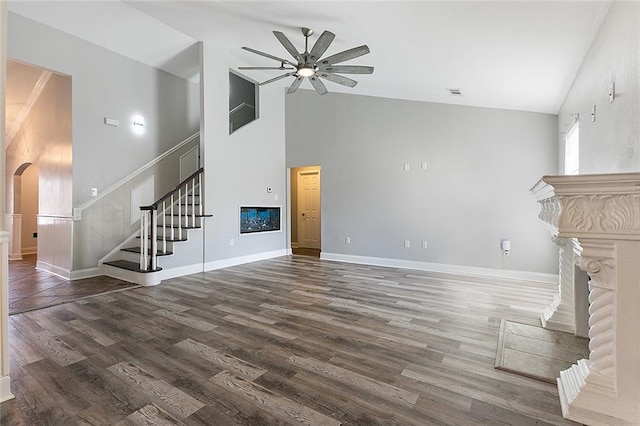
(111,122)
(94,192)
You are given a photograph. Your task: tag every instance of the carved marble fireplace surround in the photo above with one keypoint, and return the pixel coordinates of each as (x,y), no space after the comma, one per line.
(595,220)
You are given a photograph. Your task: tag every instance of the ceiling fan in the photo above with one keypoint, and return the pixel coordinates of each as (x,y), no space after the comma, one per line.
(310,65)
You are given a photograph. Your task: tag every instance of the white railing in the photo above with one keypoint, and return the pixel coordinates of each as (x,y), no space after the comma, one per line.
(174,228)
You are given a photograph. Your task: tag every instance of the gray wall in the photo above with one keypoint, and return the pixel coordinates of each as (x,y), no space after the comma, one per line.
(612,142)
(105,84)
(239,167)
(480,165)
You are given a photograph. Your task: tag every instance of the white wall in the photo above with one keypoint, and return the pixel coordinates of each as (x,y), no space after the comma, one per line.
(44,139)
(612,142)
(480,165)
(105,84)
(239,167)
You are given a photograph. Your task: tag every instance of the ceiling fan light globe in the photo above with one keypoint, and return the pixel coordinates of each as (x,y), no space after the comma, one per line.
(306,71)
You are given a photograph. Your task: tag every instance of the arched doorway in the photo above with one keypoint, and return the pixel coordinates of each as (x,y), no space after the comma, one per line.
(24,219)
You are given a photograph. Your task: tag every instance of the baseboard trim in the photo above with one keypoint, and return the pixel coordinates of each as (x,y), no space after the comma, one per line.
(29,250)
(442,268)
(5,389)
(226,263)
(85,273)
(53,269)
(180,271)
(15,256)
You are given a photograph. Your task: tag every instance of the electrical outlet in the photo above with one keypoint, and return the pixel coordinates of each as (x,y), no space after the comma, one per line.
(424,165)
(407,244)
(424,244)
(232,242)
(407,167)
(94,192)
(347,240)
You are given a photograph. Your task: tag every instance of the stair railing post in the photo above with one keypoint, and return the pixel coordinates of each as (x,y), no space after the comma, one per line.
(200,192)
(172,215)
(193,202)
(153,253)
(144,238)
(180,214)
(164,227)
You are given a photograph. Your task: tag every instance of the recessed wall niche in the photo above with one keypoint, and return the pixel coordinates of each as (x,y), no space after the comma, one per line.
(243,101)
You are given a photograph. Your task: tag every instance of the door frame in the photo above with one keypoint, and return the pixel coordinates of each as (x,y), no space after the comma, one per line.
(292,200)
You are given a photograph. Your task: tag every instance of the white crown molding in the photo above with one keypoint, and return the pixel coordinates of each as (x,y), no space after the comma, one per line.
(37,90)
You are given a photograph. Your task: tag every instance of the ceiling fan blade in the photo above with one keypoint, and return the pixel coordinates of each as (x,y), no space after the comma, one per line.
(266,55)
(280,77)
(318,85)
(346,55)
(288,45)
(265,68)
(296,83)
(345,81)
(321,46)
(347,69)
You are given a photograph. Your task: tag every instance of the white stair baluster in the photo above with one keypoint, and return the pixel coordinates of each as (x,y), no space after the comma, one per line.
(180,214)
(154,239)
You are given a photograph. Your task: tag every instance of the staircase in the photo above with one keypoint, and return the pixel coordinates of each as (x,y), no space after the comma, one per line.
(166,227)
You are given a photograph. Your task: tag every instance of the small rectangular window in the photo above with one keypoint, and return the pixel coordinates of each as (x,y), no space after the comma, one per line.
(572,151)
(243,100)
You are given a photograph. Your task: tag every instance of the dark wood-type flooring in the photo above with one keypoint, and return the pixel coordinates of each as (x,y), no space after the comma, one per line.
(31,289)
(285,341)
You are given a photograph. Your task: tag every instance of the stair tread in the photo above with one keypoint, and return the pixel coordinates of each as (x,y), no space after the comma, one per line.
(130,266)
(171,240)
(137,250)
(189,214)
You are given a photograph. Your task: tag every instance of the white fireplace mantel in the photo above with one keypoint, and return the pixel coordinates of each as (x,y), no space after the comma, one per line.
(595,219)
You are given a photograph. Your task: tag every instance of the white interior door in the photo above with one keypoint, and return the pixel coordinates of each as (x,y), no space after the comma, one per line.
(309,209)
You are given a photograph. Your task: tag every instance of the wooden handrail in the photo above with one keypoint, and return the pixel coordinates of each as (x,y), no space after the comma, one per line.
(149,221)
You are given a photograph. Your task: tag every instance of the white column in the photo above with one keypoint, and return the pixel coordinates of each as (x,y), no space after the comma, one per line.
(560,314)
(5,388)
(5,385)
(601,213)
(14,225)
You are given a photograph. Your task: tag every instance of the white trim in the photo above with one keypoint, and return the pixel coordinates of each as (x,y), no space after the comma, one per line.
(444,268)
(5,389)
(180,271)
(138,171)
(53,269)
(85,273)
(146,279)
(29,250)
(258,206)
(226,263)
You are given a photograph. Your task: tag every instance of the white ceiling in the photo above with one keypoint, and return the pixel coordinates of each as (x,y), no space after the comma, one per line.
(501,54)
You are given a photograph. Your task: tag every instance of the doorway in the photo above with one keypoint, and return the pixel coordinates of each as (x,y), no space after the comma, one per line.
(24,219)
(305,211)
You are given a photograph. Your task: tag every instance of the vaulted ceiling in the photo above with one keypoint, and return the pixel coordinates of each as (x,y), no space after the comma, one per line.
(519,55)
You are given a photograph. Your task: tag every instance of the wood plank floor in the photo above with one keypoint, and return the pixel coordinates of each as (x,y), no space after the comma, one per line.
(31,289)
(285,341)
